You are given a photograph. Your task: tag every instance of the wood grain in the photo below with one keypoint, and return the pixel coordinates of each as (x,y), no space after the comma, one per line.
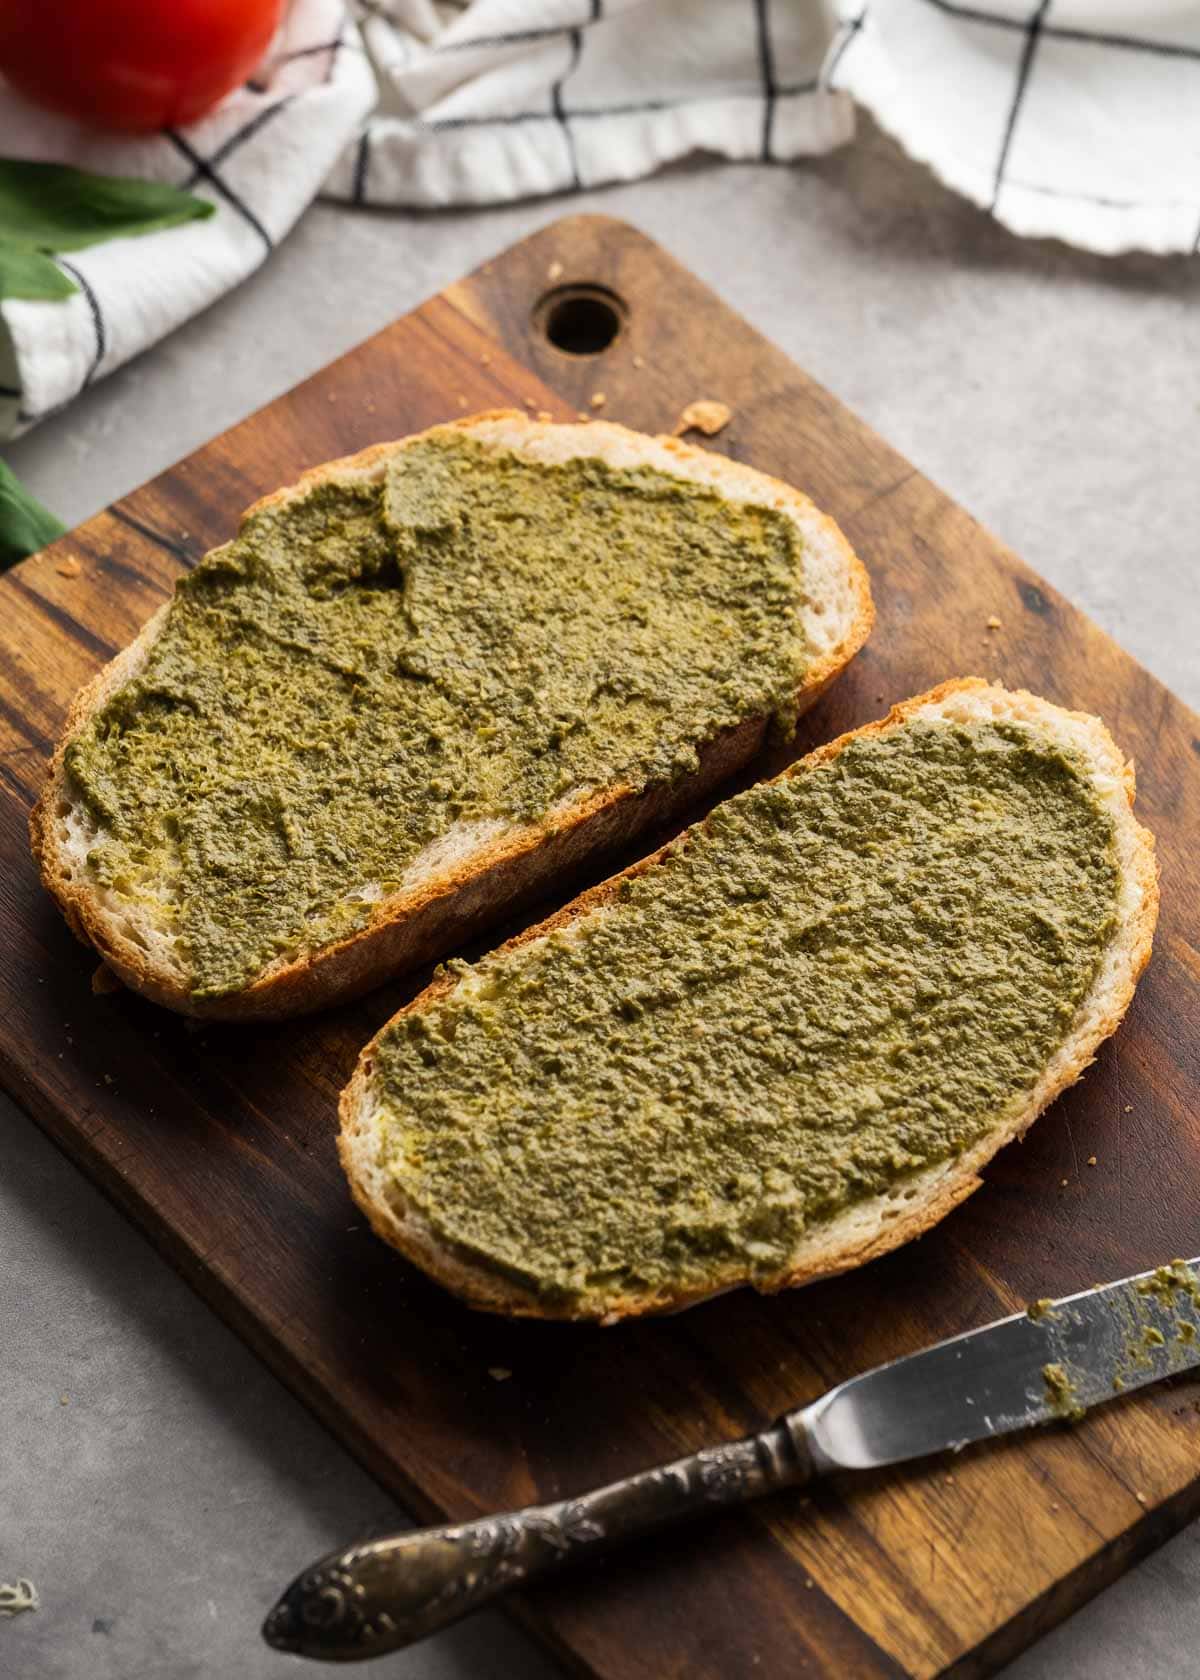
(221,1142)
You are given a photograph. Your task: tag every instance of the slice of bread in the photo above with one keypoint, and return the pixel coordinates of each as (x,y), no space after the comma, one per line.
(474,872)
(384,1165)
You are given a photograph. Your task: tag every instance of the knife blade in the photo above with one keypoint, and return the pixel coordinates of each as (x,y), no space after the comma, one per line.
(1053,1362)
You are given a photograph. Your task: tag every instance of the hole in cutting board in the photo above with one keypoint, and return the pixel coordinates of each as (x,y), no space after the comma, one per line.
(581,320)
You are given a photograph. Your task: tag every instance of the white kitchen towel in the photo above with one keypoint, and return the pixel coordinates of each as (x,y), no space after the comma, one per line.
(1075,118)
(503,99)
(260,157)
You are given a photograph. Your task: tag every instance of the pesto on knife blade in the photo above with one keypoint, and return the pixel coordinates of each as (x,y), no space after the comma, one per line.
(839,979)
(363,667)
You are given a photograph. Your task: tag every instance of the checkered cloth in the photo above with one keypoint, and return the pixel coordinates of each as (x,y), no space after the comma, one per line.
(1071,119)
(504,99)
(1074,118)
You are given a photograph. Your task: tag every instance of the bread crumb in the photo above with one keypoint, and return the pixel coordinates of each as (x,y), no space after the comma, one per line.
(104,981)
(1091,1161)
(555,271)
(544,414)
(530,402)
(485,360)
(808,1581)
(949,1481)
(1054,1504)
(108,1078)
(639,361)
(581,415)
(499,1373)
(1129,1108)
(704,416)
(597,399)
(994,623)
(16,1596)
(1141,1498)
(69,568)
(64,1399)
(1065,1182)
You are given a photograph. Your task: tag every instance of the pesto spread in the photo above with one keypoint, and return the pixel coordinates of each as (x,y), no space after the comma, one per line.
(838,980)
(1061,1395)
(363,667)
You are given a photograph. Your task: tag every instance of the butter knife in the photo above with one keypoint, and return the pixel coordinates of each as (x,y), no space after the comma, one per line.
(1053,1362)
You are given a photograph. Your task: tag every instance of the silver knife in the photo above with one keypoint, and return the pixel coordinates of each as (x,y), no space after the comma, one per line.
(1053,1362)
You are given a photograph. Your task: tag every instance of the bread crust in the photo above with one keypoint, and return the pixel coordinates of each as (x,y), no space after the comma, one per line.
(870,1228)
(412,926)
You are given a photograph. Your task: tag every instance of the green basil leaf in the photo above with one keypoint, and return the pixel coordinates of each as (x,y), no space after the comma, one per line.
(55,208)
(31,274)
(25,525)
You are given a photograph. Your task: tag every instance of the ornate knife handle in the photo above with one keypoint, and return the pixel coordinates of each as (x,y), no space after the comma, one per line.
(387,1593)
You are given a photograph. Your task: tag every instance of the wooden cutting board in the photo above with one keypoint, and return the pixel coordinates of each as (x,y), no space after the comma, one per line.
(221,1142)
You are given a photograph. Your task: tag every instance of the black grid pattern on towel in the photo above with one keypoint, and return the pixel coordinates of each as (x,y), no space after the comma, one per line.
(203,170)
(847,30)
(1064,32)
(206,169)
(586,113)
(362,165)
(1036,27)
(769,91)
(24,416)
(97,319)
(515,38)
(1033,30)
(556,101)
(766,69)
(333,48)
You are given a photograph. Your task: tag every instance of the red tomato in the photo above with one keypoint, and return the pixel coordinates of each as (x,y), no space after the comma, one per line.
(135,65)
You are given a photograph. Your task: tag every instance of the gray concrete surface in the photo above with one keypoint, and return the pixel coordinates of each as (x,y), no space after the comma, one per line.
(1054,394)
